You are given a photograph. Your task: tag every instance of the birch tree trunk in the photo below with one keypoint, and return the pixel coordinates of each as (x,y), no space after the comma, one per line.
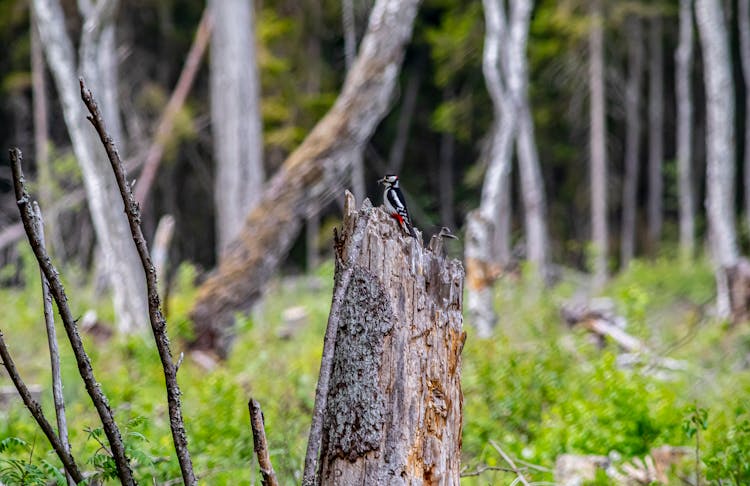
(632,138)
(719,144)
(488,227)
(598,145)
(98,66)
(393,412)
(683,65)
(309,178)
(532,184)
(41,137)
(235,117)
(655,133)
(743,26)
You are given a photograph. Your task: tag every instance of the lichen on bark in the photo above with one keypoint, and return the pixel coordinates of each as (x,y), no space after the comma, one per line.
(357,407)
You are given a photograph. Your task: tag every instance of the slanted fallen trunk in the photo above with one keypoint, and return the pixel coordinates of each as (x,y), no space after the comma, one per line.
(391,412)
(309,179)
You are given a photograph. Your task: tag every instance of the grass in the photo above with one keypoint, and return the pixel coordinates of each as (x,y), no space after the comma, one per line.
(537,388)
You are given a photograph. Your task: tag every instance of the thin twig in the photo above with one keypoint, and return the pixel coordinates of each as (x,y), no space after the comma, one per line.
(309,477)
(534,466)
(510,462)
(484,468)
(260,445)
(36,411)
(158,323)
(54,352)
(71,329)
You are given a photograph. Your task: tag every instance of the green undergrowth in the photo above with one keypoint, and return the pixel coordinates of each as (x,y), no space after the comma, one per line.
(536,388)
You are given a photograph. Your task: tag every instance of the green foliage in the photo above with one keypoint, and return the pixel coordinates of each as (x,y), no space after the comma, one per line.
(696,419)
(730,461)
(19,465)
(537,388)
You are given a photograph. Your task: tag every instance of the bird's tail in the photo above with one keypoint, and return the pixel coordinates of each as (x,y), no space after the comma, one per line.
(409,228)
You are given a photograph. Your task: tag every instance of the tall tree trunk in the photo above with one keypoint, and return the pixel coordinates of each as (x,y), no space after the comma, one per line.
(41,138)
(634,34)
(394,403)
(235,117)
(656,133)
(97,55)
(598,145)
(488,227)
(403,126)
(743,26)
(719,144)
(311,176)
(683,75)
(532,183)
(350,52)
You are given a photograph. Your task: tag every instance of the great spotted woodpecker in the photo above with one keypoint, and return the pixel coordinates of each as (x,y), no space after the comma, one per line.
(395,204)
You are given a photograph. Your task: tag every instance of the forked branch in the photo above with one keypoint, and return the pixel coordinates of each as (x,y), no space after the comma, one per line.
(158,323)
(71,329)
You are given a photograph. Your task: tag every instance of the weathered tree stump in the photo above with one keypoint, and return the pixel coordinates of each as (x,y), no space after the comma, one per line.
(394,403)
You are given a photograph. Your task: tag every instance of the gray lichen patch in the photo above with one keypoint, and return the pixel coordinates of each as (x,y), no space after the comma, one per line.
(356,404)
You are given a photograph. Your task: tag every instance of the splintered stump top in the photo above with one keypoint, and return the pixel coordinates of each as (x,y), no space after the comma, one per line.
(394,404)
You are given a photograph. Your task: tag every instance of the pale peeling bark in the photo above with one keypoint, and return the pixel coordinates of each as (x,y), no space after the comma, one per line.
(394,406)
(683,68)
(532,184)
(235,117)
(632,138)
(655,134)
(598,145)
(310,178)
(719,144)
(97,62)
(488,227)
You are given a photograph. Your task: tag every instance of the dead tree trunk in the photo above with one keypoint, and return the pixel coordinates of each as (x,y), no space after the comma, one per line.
(308,179)
(392,412)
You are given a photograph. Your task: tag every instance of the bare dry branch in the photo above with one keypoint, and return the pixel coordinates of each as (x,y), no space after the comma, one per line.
(58,292)
(158,323)
(510,462)
(482,468)
(36,411)
(260,445)
(54,352)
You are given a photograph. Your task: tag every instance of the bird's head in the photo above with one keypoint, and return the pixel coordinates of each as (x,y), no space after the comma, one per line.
(390,180)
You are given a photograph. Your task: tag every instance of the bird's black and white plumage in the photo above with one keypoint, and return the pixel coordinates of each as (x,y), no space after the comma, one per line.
(395,204)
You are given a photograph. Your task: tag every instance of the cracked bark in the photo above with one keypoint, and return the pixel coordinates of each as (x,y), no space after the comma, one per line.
(394,401)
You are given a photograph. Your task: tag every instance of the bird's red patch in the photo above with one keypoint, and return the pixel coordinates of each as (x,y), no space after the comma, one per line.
(398,218)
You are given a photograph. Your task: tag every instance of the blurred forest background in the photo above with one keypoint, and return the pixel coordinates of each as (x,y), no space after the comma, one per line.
(593,156)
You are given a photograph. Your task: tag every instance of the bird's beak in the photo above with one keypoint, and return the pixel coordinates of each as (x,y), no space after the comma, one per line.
(382,180)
